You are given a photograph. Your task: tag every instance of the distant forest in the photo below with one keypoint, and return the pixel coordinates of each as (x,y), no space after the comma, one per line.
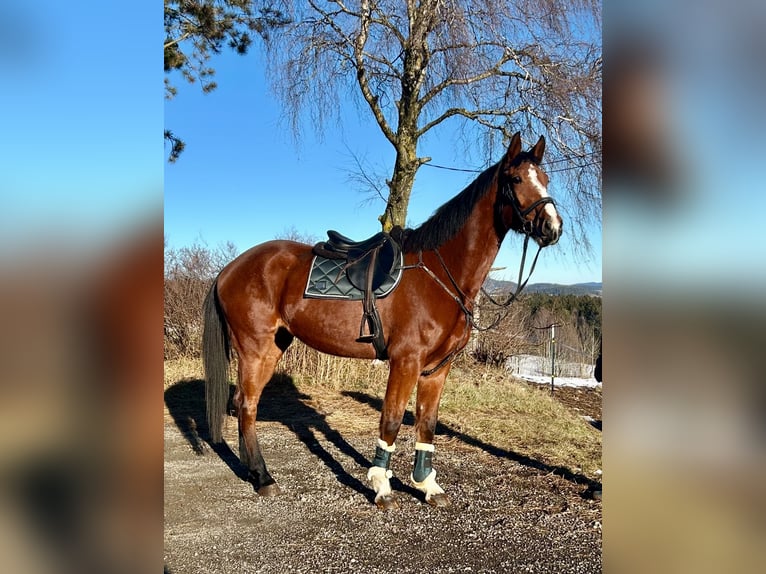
(526,328)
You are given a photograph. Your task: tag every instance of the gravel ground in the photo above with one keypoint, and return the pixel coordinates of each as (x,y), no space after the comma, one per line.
(506,515)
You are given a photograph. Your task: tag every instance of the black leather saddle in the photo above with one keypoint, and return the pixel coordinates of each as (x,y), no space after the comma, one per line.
(367,265)
(368,262)
(341,243)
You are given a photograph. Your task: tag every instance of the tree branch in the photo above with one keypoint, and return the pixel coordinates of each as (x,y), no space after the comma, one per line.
(177,40)
(361,76)
(495,71)
(476,115)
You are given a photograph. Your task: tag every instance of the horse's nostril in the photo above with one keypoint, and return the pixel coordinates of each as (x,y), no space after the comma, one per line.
(551,230)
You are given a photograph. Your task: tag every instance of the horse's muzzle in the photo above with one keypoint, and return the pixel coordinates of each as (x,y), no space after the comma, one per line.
(549,231)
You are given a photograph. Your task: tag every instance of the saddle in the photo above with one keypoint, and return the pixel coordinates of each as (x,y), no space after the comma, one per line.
(368,265)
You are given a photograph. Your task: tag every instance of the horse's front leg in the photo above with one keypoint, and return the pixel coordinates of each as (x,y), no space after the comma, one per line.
(426,414)
(401,380)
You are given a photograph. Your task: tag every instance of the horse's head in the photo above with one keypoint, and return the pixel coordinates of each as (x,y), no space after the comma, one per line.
(523,201)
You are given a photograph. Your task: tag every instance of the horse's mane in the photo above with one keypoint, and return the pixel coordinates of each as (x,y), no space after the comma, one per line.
(448,219)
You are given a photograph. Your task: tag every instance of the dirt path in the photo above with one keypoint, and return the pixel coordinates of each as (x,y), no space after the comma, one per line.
(507,515)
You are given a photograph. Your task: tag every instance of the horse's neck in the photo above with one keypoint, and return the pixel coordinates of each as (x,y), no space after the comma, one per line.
(470,254)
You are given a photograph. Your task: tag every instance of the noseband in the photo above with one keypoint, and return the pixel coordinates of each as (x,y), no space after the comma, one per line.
(527,227)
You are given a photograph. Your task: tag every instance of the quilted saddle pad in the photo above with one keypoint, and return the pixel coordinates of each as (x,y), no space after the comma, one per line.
(327,281)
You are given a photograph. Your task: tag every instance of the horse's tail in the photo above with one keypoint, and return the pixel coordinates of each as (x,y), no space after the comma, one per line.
(215,357)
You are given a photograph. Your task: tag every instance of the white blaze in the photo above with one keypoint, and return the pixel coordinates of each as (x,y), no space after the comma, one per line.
(549,209)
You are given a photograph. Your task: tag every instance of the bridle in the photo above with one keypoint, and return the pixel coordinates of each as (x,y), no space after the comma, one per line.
(528,228)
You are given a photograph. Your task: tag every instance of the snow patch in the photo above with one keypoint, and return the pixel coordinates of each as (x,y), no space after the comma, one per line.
(561,381)
(536,369)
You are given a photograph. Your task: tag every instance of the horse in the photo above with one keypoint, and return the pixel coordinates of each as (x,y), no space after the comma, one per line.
(256,306)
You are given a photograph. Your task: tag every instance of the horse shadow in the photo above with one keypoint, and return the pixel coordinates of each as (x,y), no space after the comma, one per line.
(445,430)
(281,402)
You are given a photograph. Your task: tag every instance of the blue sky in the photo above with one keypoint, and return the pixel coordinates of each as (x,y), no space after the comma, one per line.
(81,158)
(243,178)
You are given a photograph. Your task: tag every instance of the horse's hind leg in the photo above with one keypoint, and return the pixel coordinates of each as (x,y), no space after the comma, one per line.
(426,414)
(255,369)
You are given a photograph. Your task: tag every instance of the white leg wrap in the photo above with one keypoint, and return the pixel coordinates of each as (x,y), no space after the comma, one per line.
(378,477)
(424,446)
(428,485)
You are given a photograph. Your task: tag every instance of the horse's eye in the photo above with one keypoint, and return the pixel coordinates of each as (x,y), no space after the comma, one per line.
(516,179)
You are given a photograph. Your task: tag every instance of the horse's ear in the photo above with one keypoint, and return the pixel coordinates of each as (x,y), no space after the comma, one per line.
(514,149)
(538,150)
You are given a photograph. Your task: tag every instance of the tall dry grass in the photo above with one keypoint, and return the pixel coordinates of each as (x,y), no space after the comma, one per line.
(332,373)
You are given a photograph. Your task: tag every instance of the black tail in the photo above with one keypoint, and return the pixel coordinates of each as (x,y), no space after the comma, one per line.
(215,357)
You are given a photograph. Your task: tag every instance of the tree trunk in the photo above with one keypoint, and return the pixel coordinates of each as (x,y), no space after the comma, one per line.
(400,185)
(415,62)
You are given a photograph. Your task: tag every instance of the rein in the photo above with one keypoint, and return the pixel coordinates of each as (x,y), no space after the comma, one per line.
(527,228)
(460,297)
(519,285)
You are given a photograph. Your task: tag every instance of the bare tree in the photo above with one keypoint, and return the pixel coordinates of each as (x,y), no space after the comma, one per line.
(189,272)
(528,65)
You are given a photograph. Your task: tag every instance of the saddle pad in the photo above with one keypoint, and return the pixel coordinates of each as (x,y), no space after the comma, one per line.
(322,282)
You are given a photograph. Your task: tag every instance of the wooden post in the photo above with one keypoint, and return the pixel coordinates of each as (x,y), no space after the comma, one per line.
(553,355)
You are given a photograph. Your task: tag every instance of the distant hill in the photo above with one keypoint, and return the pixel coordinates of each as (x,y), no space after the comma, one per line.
(592,288)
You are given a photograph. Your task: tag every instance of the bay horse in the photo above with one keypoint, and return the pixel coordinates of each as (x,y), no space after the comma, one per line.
(256,306)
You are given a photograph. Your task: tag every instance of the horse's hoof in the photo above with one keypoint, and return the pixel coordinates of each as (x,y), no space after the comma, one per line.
(270,490)
(387,502)
(440,500)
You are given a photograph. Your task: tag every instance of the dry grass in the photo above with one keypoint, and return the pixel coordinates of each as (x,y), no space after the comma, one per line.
(481,406)
(520,418)
(182,369)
